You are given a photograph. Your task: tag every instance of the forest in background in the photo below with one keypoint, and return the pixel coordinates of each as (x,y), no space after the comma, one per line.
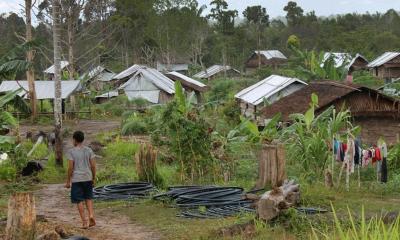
(119,33)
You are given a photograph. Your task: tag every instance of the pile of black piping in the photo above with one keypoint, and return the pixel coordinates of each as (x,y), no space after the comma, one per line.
(123,191)
(207,201)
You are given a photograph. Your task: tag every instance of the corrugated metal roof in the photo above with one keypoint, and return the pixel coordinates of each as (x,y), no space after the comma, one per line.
(266,88)
(172,67)
(340,59)
(50,70)
(269,54)
(213,70)
(44,89)
(129,72)
(384,58)
(109,94)
(154,76)
(186,78)
(104,74)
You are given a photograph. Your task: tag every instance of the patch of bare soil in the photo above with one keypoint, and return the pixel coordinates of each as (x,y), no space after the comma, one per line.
(52,201)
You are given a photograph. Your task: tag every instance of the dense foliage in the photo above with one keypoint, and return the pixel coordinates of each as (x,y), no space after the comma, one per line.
(118,33)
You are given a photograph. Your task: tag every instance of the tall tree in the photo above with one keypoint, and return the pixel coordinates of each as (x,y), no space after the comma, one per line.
(258,17)
(225,24)
(30,74)
(57,82)
(294,13)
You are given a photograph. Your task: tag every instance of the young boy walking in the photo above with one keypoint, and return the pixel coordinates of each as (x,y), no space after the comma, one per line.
(81,178)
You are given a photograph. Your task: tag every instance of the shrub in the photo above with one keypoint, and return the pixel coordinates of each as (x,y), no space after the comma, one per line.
(134,126)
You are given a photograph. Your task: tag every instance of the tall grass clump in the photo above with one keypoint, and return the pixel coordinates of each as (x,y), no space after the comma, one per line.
(373,229)
(52,173)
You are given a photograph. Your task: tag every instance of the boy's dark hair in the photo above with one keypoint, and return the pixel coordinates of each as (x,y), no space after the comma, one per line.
(78,136)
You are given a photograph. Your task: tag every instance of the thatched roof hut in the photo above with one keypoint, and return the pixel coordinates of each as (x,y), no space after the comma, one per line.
(377,114)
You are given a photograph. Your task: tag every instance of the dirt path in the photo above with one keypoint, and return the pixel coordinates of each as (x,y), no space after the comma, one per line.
(53,203)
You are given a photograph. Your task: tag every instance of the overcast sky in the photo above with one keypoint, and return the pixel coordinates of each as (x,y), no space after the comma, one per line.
(275,7)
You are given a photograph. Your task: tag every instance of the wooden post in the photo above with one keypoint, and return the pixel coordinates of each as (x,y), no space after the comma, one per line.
(21,218)
(271,167)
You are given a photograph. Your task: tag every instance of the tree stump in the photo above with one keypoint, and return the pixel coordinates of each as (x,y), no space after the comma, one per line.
(273,202)
(271,166)
(21,218)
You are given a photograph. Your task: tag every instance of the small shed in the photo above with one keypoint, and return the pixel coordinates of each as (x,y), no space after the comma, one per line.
(272,58)
(377,114)
(50,70)
(266,91)
(106,96)
(189,84)
(173,67)
(359,62)
(148,83)
(98,77)
(217,70)
(386,66)
(44,89)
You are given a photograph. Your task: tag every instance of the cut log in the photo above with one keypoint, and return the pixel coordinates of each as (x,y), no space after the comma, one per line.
(21,218)
(273,202)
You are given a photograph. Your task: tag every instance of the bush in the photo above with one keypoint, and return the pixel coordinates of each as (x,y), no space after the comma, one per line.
(8,172)
(134,126)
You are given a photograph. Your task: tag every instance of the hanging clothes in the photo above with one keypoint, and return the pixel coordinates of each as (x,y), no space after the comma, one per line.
(357,153)
(384,169)
(349,155)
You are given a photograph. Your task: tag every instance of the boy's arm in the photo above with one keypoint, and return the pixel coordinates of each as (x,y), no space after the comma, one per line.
(69,173)
(93,168)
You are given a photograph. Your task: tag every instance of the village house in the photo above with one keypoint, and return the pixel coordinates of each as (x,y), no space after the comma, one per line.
(378,115)
(386,66)
(266,92)
(189,84)
(49,72)
(149,84)
(262,58)
(217,70)
(44,90)
(99,77)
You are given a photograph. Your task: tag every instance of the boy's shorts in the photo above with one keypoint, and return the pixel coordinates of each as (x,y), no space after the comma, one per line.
(81,191)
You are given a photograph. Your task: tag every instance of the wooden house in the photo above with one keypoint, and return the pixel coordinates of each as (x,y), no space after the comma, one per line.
(378,115)
(189,84)
(386,66)
(267,91)
(261,58)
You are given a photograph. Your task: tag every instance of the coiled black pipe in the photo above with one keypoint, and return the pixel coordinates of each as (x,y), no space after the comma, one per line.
(123,191)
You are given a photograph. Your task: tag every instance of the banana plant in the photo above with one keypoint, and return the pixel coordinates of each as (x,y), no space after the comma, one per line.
(7,120)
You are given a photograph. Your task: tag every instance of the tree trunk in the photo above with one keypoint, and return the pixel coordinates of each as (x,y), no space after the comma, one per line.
(57,83)
(273,202)
(30,74)
(70,33)
(21,218)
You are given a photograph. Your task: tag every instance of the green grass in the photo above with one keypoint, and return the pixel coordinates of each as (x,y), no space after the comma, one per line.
(53,173)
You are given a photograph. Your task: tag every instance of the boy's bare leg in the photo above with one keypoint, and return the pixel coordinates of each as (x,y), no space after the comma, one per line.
(89,206)
(81,210)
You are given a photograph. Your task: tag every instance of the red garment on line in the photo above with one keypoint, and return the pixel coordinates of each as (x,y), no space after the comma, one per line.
(378,156)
